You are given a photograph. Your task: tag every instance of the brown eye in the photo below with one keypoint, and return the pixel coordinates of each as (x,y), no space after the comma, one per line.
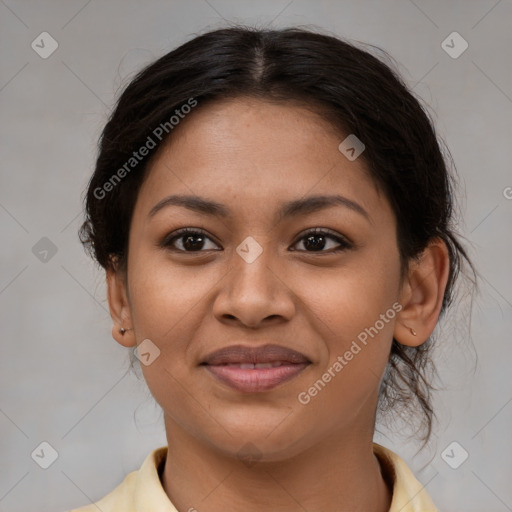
(189,240)
(196,240)
(317,240)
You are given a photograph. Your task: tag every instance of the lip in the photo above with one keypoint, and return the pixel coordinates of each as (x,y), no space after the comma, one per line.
(255,369)
(241,354)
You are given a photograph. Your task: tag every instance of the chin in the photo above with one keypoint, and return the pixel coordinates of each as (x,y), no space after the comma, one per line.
(260,444)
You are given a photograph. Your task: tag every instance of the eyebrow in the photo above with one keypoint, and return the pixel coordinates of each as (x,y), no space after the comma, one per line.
(302,206)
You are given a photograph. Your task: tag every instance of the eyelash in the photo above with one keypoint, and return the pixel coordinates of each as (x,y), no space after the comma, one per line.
(345,244)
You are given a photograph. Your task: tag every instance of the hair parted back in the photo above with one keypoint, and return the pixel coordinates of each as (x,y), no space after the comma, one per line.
(354,91)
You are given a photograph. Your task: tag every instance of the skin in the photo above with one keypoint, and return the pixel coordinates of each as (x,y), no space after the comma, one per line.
(252,156)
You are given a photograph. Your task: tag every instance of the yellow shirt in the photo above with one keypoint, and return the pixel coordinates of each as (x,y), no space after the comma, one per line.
(142,491)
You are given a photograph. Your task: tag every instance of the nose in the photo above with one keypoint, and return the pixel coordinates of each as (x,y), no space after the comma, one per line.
(254,294)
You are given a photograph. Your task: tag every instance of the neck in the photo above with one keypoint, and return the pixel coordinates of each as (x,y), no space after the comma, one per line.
(341,473)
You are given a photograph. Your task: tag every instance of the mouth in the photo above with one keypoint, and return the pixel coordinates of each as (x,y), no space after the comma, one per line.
(255,369)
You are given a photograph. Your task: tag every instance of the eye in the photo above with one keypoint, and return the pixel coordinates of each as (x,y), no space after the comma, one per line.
(195,240)
(317,240)
(190,240)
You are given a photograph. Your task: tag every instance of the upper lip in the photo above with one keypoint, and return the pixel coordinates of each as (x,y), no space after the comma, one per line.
(265,354)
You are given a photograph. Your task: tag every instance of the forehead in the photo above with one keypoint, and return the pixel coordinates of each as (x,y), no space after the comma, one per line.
(256,152)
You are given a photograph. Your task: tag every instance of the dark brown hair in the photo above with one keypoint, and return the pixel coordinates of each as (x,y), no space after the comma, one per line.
(349,87)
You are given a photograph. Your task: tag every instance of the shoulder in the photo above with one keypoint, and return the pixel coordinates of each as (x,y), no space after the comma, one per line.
(140,486)
(409,495)
(118,497)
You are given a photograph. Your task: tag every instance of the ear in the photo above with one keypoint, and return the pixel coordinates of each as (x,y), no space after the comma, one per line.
(422,294)
(120,309)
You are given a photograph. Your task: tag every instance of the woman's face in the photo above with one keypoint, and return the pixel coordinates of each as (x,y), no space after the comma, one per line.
(255,275)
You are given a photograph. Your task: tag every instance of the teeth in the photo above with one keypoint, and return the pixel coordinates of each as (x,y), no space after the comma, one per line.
(246,366)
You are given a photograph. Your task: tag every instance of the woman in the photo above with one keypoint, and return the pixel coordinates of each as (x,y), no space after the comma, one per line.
(274,216)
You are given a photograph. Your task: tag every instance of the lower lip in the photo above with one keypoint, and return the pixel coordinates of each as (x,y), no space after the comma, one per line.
(257,379)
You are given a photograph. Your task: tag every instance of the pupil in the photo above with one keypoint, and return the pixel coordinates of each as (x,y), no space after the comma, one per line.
(313,245)
(191,245)
(310,242)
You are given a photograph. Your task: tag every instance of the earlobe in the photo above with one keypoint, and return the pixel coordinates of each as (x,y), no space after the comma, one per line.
(122,330)
(422,295)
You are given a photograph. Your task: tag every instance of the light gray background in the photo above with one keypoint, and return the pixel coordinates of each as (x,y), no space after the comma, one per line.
(63,378)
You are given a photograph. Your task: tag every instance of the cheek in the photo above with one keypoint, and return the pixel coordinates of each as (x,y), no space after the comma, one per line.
(351,299)
(353,311)
(355,315)
(166,309)
(169,304)
(165,297)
